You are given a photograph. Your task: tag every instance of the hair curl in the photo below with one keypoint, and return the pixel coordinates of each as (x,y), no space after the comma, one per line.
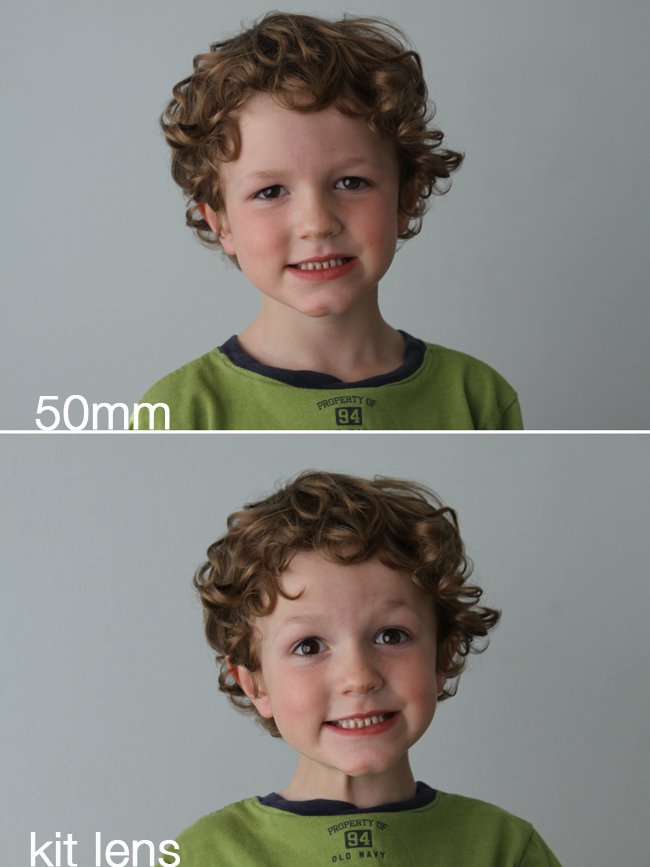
(347,520)
(361,66)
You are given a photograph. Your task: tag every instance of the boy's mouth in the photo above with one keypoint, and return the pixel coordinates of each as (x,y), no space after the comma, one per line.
(319,264)
(362,721)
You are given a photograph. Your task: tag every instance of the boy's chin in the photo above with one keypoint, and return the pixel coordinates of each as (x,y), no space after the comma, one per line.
(328,302)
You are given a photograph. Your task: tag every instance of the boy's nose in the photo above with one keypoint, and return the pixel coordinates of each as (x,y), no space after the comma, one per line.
(317,218)
(359,676)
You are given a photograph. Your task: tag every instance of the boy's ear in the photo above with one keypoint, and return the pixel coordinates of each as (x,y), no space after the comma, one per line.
(220,227)
(252,684)
(448,650)
(445,656)
(408,198)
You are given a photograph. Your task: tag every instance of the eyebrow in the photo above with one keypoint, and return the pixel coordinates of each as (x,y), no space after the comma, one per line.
(298,620)
(396,604)
(264,174)
(312,619)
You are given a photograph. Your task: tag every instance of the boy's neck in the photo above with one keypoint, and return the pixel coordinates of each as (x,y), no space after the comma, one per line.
(354,346)
(313,781)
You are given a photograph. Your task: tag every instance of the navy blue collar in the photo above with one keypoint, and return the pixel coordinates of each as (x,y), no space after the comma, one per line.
(413,358)
(321,807)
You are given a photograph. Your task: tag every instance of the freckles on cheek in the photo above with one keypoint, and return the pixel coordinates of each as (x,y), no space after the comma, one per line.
(262,234)
(383,237)
(422,688)
(299,703)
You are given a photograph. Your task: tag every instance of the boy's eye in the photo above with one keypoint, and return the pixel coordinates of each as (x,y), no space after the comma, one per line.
(269,192)
(309,647)
(352,183)
(391,635)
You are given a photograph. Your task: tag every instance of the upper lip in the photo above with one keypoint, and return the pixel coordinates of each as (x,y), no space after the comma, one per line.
(361,715)
(322,258)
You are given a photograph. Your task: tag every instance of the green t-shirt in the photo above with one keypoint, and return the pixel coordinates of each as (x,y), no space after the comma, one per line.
(450,831)
(435,389)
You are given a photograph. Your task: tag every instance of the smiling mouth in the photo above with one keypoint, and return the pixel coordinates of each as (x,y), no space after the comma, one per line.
(317,266)
(361,722)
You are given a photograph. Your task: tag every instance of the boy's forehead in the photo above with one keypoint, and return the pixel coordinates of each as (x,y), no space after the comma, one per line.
(267,105)
(269,131)
(324,585)
(346,598)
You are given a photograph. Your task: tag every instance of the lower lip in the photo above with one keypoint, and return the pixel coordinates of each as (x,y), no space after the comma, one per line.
(317,274)
(376,729)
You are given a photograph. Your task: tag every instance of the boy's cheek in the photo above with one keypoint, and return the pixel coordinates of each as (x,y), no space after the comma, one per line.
(250,239)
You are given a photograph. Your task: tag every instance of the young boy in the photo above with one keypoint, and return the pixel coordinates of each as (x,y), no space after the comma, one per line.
(341,615)
(304,150)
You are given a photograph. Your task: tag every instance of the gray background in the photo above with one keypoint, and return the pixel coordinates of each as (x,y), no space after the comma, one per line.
(535,262)
(112,720)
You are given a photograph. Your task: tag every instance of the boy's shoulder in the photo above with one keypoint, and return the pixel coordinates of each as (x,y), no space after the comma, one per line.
(190,391)
(437,388)
(461,831)
(481,384)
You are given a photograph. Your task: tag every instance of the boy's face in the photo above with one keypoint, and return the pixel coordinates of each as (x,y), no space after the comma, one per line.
(358,644)
(307,188)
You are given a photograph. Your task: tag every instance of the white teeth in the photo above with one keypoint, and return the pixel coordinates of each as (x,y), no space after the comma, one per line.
(316,266)
(360,722)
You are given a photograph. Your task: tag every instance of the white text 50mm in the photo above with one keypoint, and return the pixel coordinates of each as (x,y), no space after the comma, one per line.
(101,412)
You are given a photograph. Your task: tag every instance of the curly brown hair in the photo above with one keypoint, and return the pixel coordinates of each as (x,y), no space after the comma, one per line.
(347,520)
(361,66)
